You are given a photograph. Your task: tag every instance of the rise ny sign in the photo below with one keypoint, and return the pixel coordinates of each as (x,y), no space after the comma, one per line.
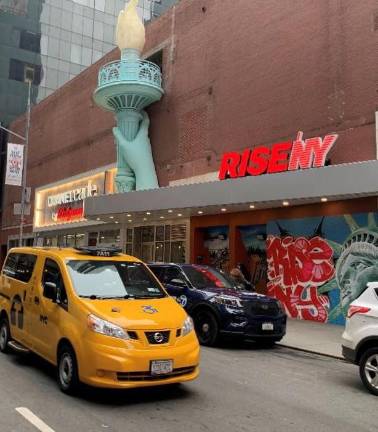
(280,157)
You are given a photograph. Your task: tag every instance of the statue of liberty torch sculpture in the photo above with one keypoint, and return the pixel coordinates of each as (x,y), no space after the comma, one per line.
(126,87)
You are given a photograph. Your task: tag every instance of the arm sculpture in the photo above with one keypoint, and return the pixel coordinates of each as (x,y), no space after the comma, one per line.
(135,165)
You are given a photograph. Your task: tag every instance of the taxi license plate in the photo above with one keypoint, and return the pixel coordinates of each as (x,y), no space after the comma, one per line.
(161,367)
(268,326)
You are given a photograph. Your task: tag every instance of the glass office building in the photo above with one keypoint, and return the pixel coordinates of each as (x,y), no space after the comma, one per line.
(51,41)
(75,34)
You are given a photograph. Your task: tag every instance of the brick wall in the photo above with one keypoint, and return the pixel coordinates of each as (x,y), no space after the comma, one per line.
(237,74)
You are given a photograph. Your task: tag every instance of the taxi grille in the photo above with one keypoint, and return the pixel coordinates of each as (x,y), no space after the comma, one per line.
(157,337)
(146,376)
(262,308)
(132,334)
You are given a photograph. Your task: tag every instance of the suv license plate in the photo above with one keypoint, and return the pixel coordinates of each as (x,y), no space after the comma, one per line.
(161,367)
(268,326)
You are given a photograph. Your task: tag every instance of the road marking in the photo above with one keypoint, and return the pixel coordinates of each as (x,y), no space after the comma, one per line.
(34,420)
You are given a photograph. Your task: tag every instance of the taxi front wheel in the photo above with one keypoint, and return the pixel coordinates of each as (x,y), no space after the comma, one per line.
(68,377)
(4,335)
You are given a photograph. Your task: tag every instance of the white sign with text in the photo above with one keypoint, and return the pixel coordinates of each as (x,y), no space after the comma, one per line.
(15,161)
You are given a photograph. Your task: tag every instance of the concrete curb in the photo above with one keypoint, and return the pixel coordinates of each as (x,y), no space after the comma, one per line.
(311,351)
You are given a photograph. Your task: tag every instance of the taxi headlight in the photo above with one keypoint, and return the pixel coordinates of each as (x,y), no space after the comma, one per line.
(107,328)
(228,301)
(188,326)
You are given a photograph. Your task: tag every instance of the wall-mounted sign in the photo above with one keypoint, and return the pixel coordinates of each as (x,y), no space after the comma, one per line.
(15,161)
(280,157)
(74,195)
(64,202)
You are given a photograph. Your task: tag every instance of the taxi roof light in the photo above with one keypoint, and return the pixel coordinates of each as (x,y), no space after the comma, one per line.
(99,251)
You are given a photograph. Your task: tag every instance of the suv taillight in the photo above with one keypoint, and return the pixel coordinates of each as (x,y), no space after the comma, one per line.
(353,310)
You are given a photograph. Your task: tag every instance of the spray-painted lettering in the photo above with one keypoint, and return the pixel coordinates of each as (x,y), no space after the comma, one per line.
(296,267)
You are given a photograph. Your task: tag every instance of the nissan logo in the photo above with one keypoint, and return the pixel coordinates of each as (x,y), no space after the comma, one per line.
(159,338)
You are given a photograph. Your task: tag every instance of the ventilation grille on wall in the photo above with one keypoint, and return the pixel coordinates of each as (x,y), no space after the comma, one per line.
(375,24)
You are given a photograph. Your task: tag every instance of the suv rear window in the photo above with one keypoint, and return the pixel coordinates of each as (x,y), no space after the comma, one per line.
(206,277)
(20,266)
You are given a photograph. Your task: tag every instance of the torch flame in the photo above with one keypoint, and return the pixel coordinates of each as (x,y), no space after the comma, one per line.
(130,32)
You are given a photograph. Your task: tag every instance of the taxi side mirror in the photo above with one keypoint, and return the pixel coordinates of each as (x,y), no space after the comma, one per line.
(50,291)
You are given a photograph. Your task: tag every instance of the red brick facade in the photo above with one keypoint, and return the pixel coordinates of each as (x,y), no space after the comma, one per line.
(237,74)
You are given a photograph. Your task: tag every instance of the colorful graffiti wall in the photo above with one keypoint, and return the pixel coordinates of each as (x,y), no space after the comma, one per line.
(317,266)
(254,243)
(216,243)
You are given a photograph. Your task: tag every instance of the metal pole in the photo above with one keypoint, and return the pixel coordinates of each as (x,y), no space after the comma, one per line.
(23,193)
(12,133)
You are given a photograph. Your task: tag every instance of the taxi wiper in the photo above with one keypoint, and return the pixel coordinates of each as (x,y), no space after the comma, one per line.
(96,297)
(146,296)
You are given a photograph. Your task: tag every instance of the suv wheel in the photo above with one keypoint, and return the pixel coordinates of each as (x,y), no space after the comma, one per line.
(207,328)
(4,335)
(369,370)
(68,377)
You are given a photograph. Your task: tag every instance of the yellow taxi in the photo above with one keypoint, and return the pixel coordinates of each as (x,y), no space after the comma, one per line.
(100,316)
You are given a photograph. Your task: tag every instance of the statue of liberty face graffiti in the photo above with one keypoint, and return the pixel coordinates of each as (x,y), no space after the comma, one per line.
(358,262)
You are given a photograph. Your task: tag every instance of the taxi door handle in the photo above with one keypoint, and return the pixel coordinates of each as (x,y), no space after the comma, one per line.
(36,300)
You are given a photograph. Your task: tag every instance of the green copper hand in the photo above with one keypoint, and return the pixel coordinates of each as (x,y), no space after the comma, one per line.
(136,169)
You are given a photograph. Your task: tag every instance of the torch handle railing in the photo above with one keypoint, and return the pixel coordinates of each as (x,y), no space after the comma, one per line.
(130,71)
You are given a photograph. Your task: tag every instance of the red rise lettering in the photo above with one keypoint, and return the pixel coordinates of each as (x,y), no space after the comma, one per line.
(242,171)
(279,159)
(229,165)
(259,160)
(283,156)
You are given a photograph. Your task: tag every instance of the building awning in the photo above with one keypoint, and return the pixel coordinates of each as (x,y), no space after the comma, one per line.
(336,182)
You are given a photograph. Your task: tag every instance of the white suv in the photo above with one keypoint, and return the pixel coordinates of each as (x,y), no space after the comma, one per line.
(360,338)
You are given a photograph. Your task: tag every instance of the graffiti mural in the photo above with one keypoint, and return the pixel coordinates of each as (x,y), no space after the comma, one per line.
(318,266)
(297,267)
(254,243)
(217,244)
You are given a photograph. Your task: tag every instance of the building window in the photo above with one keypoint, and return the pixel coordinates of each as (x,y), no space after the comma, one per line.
(110,238)
(30,41)
(23,72)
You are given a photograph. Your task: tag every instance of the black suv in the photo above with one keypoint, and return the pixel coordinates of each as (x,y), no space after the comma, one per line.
(218,307)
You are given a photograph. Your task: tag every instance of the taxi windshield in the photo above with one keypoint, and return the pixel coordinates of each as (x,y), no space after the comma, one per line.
(206,277)
(105,279)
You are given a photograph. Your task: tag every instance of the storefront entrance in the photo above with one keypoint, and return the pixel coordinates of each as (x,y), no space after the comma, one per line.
(160,243)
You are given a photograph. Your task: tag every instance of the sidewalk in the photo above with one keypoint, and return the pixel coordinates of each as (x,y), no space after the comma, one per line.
(313,337)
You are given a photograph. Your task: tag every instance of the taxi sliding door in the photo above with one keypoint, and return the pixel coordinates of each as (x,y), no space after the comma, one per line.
(48,312)
(18,279)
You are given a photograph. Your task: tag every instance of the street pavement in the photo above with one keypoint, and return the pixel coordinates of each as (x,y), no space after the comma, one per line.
(241,388)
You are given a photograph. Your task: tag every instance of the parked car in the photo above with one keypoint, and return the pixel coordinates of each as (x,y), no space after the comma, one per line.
(100,316)
(218,307)
(360,338)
